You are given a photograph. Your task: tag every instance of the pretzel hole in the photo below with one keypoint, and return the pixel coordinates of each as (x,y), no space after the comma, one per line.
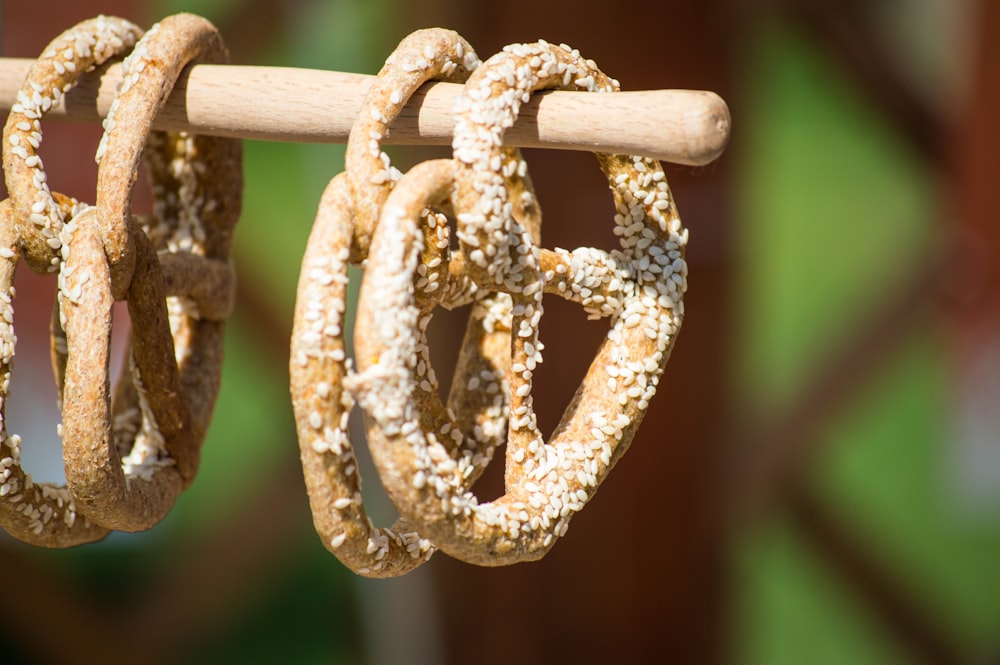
(447,325)
(570,187)
(74,177)
(77,177)
(405,157)
(567,356)
(377,504)
(32,401)
(444,335)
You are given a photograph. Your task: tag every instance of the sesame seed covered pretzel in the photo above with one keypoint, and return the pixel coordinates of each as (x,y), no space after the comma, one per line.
(639,286)
(176,346)
(319,368)
(38,513)
(31,223)
(38,213)
(114,457)
(341,235)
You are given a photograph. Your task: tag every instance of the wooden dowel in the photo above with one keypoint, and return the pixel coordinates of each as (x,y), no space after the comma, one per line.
(315,106)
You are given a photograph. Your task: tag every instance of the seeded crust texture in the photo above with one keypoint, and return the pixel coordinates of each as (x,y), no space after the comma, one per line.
(319,367)
(428,455)
(127,458)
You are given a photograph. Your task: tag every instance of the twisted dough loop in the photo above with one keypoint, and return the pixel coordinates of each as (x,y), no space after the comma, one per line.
(31,224)
(125,465)
(37,513)
(39,214)
(319,369)
(176,352)
(638,286)
(425,55)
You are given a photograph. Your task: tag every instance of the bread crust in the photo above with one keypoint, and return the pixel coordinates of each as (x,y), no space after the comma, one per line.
(126,459)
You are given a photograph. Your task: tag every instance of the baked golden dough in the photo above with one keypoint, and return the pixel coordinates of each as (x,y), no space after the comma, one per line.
(125,465)
(176,348)
(639,287)
(319,367)
(31,224)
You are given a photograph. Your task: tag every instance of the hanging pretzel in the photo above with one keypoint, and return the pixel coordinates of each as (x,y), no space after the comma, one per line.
(31,223)
(176,347)
(51,231)
(37,513)
(341,234)
(38,214)
(639,287)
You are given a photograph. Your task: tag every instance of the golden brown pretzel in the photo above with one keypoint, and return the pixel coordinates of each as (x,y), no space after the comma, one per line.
(38,513)
(38,215)
(31,223)
(319,368)
(112,457)
(639,287)
(176,351)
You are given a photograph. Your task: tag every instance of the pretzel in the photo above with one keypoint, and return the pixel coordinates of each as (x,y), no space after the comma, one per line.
(176,348)
(37,513)
(340,235)
(107,452)
(319,368)
(31,222)
(38,213)
(639,287)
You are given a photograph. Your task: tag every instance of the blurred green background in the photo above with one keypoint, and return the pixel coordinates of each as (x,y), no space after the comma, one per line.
(831,209)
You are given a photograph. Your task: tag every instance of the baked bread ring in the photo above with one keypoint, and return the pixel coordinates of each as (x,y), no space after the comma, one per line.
(38,213)
(31,223)
(112,456)
(176,350)
(319,366)
(638,286)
